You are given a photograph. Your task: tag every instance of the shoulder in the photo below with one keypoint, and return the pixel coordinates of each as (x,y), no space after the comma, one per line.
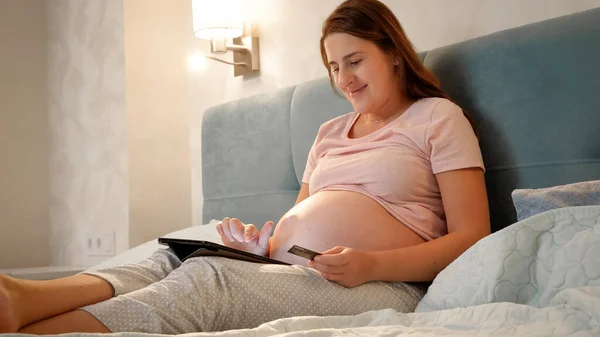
(445,108)
(434,120)
(434,113)
(336,124)
(418,119)
(339,120)
(427,109)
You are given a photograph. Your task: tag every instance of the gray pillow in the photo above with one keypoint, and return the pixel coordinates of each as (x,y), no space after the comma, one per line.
(529,202)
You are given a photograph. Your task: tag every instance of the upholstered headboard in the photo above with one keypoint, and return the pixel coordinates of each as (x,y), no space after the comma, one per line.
(533,91)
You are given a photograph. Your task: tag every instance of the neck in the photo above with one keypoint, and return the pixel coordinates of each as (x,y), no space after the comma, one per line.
(390,114)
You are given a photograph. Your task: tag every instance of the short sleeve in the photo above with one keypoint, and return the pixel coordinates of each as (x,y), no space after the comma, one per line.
(451,140)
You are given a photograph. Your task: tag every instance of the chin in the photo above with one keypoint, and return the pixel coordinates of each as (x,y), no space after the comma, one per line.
(361,108)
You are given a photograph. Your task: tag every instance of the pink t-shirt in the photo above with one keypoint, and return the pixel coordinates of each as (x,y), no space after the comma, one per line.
(395,165)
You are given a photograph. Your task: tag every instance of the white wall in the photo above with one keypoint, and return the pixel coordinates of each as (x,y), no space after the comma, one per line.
(23,135)
(289,47)
(86,110)
(157,33)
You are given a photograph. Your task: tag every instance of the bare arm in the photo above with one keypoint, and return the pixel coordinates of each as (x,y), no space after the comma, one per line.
(467,215)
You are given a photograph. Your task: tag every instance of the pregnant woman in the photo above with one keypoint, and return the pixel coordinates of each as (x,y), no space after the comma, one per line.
(392,193)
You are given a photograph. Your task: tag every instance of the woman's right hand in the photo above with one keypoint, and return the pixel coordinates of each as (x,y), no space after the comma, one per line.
(248,238)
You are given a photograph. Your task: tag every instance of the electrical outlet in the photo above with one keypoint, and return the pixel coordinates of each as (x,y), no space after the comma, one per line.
(100,243)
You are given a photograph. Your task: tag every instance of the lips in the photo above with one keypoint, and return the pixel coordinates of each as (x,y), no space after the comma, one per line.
(357,91)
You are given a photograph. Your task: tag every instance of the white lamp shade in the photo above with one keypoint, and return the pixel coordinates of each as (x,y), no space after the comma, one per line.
(218,18)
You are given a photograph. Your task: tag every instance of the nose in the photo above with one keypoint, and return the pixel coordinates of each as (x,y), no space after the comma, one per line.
(344,77)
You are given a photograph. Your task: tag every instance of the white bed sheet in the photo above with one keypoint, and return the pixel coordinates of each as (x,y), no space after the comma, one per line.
(496,319)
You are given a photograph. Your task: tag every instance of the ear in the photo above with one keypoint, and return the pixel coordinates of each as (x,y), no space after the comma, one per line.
(397,65)
(396,59)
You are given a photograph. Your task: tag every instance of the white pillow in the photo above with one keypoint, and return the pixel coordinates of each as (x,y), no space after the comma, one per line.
(529,202)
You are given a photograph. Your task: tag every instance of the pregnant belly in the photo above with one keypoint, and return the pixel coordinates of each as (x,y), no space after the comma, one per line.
(339,218)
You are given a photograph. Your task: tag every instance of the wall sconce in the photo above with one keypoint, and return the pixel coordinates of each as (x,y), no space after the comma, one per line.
(219,21)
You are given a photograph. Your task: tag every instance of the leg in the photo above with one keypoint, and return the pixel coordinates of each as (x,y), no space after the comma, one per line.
(131,277)
(23,302)
(77,320)
(8,319)
(216,294)
(250,294)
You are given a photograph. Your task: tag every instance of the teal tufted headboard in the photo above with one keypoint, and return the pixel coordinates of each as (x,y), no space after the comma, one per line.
(533,91)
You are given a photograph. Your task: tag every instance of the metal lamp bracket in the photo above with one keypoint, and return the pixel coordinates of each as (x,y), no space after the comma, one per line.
(245,54)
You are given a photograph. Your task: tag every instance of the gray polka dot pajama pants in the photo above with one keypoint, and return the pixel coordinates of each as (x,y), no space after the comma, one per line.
(162,295)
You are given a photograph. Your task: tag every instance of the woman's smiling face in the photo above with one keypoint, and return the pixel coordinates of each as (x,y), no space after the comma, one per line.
(363,73)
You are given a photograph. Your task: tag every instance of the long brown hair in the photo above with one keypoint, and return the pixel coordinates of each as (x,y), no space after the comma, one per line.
(374,21)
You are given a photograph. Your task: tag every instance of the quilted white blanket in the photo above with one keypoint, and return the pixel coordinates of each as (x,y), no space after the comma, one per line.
(538,277)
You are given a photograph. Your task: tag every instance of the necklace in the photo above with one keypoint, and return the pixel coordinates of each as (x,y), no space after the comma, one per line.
(385,119)
(390,117)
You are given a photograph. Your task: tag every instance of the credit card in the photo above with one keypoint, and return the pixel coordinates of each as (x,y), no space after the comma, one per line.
(303,252)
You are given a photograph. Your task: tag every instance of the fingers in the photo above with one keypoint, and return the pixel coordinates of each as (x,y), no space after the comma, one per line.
(329,269)
(265,233)
(334,250)
(345,266)
(233,229)
(223,230)
(332,277)
(250,233)
(237,229)
(220,227)
(338,256)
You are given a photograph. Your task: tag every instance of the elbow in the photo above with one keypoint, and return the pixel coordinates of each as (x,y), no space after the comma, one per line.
(481,234)
(475,233)
(472,238)
(466,239)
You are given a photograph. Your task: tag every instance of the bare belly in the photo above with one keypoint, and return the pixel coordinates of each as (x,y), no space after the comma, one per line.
(339,218)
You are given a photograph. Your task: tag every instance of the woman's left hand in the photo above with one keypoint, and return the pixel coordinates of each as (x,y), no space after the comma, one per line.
(345,266)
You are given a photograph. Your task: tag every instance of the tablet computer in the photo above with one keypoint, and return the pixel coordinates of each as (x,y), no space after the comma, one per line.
(185,249)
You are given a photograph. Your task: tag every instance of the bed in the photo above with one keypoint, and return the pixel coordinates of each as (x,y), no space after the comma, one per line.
(537,277)
(533,93)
